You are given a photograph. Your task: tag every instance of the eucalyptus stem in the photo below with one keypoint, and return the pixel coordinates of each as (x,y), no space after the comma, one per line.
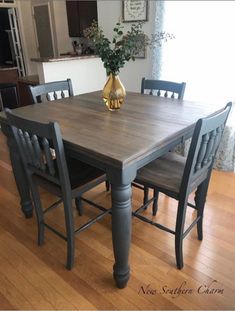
(123,47)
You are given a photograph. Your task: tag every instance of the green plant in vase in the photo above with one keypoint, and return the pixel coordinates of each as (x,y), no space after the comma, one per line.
(114,54)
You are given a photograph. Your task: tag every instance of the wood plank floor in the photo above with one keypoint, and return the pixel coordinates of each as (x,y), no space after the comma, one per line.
(33,277)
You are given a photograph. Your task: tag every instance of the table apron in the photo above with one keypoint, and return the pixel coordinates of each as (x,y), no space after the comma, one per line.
(126,174)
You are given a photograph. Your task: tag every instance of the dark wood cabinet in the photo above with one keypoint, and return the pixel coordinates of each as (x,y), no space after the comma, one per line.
(8,75)
(9,88)
(24,92)
(22,96)
(80,15)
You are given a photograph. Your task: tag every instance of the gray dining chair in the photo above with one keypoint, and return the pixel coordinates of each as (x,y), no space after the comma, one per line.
(177,177)
(64,179)
(163,88)
(51,91)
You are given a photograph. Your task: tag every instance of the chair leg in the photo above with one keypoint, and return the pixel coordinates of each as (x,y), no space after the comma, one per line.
(179,233)
(39,211)
(146,195)
(155,202)
(200,199)
(107,184)
(69,232)
(78,202)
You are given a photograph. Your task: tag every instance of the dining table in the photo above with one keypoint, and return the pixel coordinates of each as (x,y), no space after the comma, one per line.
(118,142)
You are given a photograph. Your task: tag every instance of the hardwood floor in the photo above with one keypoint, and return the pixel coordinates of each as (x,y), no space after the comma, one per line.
(33,277)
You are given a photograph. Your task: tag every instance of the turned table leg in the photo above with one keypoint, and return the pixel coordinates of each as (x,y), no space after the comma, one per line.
(121,232)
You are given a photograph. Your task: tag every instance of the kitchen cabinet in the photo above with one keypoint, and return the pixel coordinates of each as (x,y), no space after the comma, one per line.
(23,87)
(22,96)
(8,74)
(80,15)
(9,87)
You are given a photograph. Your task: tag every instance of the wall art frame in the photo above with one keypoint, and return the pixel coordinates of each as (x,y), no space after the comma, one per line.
(134,11)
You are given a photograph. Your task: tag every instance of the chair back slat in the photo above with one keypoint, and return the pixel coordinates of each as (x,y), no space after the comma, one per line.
(48,97)
(51,91)
(205,142)
(48,156)
(38,154)
(208,147)
(202,151)
(208,155)
(38,158)
(218,135)
(24,144)
(55,95)
(156,87)
(35,142)
(29,148)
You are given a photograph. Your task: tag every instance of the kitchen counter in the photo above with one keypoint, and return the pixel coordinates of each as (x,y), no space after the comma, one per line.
(5,67)
(86,72)
(32,79)
(62,58)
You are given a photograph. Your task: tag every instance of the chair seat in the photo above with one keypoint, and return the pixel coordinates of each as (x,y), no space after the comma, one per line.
(163,173)
(166,174)
(82,177)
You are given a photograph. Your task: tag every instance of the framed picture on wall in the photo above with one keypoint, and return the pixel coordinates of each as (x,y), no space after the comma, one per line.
(134,10)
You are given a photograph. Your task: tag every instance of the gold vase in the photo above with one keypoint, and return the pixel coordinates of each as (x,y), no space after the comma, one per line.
(113,93)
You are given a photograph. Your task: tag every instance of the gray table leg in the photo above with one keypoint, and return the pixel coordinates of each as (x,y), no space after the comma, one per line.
(20,177)
(121,232)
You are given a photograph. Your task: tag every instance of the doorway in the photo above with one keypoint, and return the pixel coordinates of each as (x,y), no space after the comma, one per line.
(43,30)
(11,54)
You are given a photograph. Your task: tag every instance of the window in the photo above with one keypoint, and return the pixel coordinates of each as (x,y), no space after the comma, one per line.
(203,52)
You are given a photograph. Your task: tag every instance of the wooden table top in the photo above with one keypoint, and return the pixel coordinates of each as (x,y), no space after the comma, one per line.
(143,125)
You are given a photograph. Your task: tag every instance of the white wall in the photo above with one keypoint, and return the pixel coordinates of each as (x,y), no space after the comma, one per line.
(28,35)
(62,41)
(64,44)
(109,13)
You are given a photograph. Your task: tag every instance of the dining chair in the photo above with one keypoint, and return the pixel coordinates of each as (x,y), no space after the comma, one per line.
(65,179)
(177,177)
(51,91)
(163,88)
